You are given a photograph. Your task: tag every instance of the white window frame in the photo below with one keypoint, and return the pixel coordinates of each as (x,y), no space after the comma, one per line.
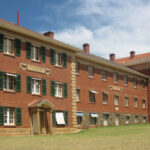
(77,67)
(116,100)
(9,49)
(126,101)
(8,117)
(90,71)
(104,75)
(93,95)
(58,89)
(143,103)
(58,59)
(105,99)
(77,94)
(8,83)
(36,86)
(134,82)
(135,102)
(35,53)
(115,77)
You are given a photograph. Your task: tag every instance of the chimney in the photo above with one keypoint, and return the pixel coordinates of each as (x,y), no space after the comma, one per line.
(86,48)
(112,57)
(132,54)
(18,14)
(49,34)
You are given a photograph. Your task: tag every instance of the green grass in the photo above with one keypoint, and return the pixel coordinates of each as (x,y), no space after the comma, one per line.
(131,137)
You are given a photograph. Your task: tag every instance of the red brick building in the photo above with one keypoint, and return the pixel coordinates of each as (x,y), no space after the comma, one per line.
(47,86)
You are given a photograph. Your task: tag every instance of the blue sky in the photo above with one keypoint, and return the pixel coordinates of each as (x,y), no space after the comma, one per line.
(117,26)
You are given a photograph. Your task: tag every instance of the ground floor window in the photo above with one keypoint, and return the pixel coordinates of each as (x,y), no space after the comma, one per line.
(79,118)
(105,121)
(144,119)
(60,118)
(127,120)
(8,116)
(93,118)
(117,120)
(136,119)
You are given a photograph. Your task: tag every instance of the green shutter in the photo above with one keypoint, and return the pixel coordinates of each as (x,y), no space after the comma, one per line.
(52,88)
(54,118)
(28,84)
(18,83)
(43,87)
(1,115)
(43,54)
(1,42)
(18,116)
(66,117)
(1,80)
(18,47)
(65,90)
(28,50)
(52,57)
(64,58)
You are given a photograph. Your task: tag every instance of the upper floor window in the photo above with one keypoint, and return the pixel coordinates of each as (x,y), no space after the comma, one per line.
(125,80)
(78,94)
(143,83)
(77,68)
(105,98)
(104,75)
(116,100)
(36,86)
(115,76)
(134,82)
(90,71)
(8,116)
(9,46)
(143,103)
(35,53)
(135,102)
(58,89)
(92,96)
(58,59)
(126,101)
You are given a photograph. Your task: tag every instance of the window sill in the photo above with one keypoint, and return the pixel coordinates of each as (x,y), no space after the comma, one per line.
(57,97)
(34,94)
(11,55)
(105,103)
(135,87)
(78,101)
(104,80)
(115,82)
(9,126)
(77,74)
(116,105)
(92,103)
(36,61)
(58,66)
(9,91)
(125,84)
(91,77)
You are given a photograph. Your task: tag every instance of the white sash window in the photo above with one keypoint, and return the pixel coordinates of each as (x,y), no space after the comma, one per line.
(8,116)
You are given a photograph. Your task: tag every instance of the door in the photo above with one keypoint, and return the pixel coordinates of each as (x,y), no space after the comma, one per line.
(117,120)
(34,123)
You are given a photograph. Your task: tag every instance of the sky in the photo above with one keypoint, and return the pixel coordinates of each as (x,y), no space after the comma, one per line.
(109,26)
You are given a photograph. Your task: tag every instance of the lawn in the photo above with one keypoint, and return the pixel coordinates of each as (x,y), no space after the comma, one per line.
(131,137)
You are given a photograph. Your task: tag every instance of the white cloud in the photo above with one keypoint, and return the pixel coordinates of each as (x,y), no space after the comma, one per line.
(127,28)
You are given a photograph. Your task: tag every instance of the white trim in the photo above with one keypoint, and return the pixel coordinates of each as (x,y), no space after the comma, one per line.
(36,79)
(9,74)
(94,115)
(60,118)
(93,92)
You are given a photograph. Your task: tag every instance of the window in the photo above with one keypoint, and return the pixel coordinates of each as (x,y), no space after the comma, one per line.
(105,121)
(58,89)
(104,75)
(134,82)
(8,116)
(93,118)
(77,68)
(136,119)
(105,98)
(9,46)
(143,83)
(135,102)
(78,94)
(117,120)
(9,82)
(58,59)
(125,80)
(90,71)
(79,118)
(92,96)
(126,101)
(35,53)
(35,86)
(143,103)
(127,120)
(116,100)
(144,119)
(60,118)
(115,76)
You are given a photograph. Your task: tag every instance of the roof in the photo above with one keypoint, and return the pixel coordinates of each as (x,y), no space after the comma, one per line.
(106,62)
(136,60)
(79,53)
